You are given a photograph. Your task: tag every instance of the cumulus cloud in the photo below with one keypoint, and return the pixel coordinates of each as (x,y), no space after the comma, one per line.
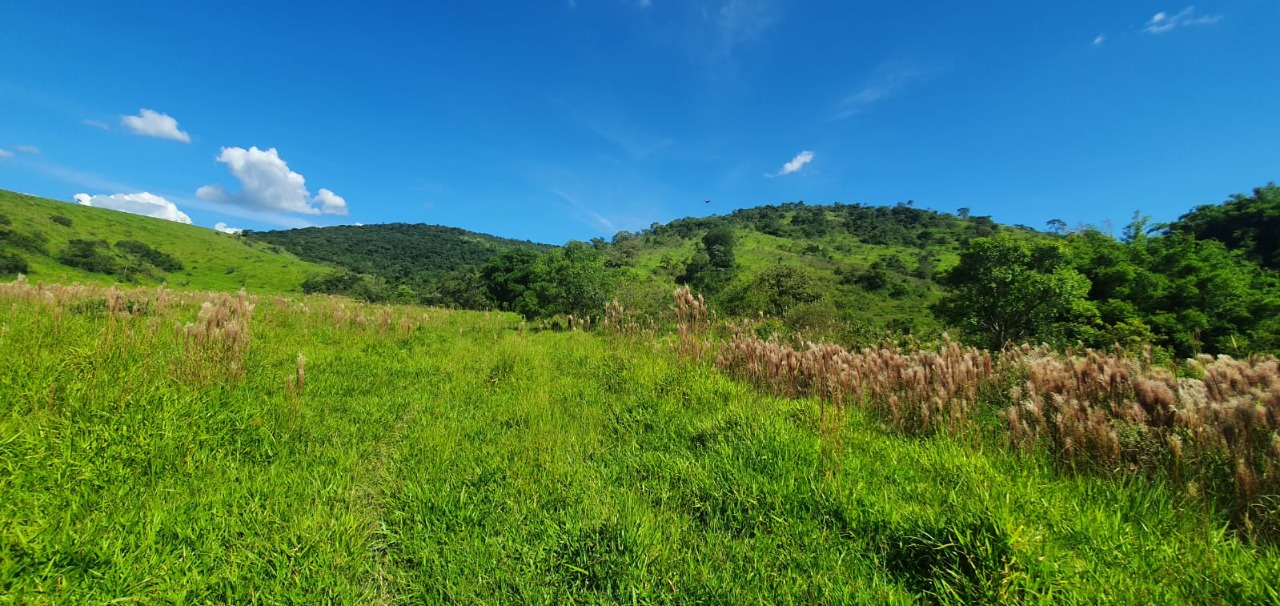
(149,123)
(224,228)
(146,204)
(267,183)
(28,149)
(331,203)
(4,153)
(795,164)
(1163,22)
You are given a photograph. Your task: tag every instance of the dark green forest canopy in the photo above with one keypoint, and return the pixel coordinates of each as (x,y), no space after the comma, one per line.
(1250,224)
(396,251)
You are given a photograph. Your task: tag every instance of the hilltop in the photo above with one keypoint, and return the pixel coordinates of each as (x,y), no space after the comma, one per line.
(52,241)
(417,260)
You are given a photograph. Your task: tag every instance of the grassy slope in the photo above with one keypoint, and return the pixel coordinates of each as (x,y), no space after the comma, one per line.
(464,461)
(754,251)
(211,260)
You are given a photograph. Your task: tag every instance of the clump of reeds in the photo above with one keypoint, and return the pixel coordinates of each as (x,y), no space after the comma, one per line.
(616,322)
(216,343)
(693,320)
(916,391)
(1117,412)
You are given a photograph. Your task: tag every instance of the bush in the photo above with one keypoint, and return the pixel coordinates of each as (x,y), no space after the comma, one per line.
(143,252)
(33,242)
(61,220)
(89,255)
(11,264)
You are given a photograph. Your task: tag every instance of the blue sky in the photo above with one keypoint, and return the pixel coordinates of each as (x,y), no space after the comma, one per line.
(559,119)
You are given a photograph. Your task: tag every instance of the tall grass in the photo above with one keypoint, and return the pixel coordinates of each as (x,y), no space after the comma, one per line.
(349,453)
(1215,429)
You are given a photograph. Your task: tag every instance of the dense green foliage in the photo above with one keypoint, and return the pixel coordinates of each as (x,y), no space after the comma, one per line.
(572,280)
(427,260)
(1006,291)
(1185,294)
(147,250)
(448,457)
(1250,224)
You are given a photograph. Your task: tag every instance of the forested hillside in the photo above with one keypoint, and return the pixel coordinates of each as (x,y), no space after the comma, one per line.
(400,260)
(1250,224)
(855,273)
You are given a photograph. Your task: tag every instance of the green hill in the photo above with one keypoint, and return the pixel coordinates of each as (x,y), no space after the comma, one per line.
(868,267)
(422,261)
(52,241)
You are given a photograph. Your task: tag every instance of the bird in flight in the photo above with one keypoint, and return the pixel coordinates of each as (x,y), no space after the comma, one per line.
(708,201)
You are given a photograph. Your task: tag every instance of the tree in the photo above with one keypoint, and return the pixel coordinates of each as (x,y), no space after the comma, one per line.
(508,276)
(1006,290)
(1189,295)
(568,280)
(775,291)
(1246,223)
(712,266)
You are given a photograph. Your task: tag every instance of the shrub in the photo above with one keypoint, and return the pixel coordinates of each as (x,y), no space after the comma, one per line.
(61,220)
(11,264)
(143,252)
(89,255)
(33,242)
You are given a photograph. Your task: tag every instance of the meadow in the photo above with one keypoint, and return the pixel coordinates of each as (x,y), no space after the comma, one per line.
(159,446)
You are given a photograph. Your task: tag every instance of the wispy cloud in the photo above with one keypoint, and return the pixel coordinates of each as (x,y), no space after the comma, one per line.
(795,165)
(28,149)
(4,153)
(615,127)
(1102,38)
(98,124)
(598,219)
(1163,22)
(149,123)
(77,177)
(888,80)
(740,22)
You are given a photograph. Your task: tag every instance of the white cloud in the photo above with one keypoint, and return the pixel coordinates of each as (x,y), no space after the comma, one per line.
(28,149)
(331,203)
(1100,39)
(150,123)
(795,164)
(267,183)
(146,204)
(1163,22)
(4,153)
(96,124)
(222,227)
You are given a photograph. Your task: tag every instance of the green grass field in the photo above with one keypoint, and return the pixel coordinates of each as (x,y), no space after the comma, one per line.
(211,260)
(346,453)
